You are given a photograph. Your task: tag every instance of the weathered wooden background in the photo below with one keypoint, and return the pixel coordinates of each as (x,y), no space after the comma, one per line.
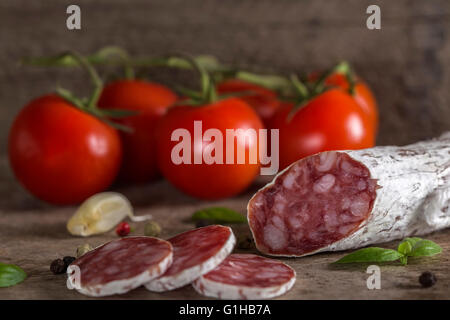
(406,62)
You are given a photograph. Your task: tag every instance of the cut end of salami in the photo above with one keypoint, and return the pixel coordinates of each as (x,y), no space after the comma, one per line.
(196,252)
(313,203)
(246,276)
(120,266)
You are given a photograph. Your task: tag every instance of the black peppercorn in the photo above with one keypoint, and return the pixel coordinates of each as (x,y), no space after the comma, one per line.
(427,279)
(58,266)
(68,260)
(203,223)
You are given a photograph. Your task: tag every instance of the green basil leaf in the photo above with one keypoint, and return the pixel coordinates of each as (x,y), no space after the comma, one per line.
(219,215)
(11,275)
(425,248)
(407,244)
(405,247)
(373,254)
(404,260)
(413,240)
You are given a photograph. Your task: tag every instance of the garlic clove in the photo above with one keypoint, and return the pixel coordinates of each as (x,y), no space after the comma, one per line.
(101,213)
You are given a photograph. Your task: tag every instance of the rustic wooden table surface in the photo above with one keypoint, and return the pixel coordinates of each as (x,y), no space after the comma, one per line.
(32,234)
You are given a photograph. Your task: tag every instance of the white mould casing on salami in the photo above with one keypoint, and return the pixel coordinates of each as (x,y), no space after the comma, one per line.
(412,197)
(231,292)
(118,261)
(246,277)
(196,252)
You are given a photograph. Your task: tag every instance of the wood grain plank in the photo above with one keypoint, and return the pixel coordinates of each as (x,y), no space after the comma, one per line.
(32,234)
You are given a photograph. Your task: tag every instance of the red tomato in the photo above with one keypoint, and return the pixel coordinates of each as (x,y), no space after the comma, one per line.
(331,121)
(61,154)
(150,100)
(363,95)
(264,101)
(209,181)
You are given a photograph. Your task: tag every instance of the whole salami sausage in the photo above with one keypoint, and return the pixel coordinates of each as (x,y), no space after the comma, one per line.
(120,266)
(247,277)
(195,253)
(342,200)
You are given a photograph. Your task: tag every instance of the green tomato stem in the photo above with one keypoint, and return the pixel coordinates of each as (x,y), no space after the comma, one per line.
(273,82)
(107,52)
(208,92)
(95,78)
(301,89)
(341,68)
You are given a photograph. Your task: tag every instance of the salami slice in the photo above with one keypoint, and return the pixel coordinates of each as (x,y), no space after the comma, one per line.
(248,277)
(120,266)
(196,252)
(342,200)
